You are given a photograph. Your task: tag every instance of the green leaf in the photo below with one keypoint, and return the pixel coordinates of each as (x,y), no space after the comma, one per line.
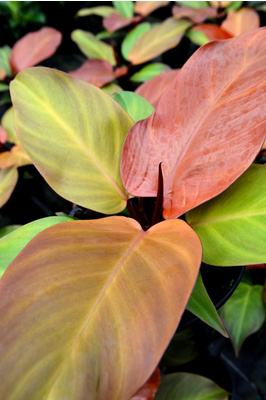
(101,11)
(197,37)
(182,349)
(84,129)
(5,53)
(135,105)
(232,225)
(244,313)
(7,122)
(201,305)
(93,47)
(125,8)
(12,244)
(235,5)
(193,4)
(148,72)
(3,87)
(8,229)
(112,89)
(132,37)
(185,386)
(78,297)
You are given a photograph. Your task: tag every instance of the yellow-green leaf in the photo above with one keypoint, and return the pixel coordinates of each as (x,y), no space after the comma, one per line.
(74,133)
(7,122)
(8,180)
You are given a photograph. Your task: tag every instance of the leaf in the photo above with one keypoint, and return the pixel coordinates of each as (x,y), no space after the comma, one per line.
(136,106)
(16,156)
(211,31)
(235,5)
(147,7)
(5,53)
(3,135)
(232,226)
(34,48)
(93,47)
(117,21)
(200,150)
(221,4)
(7,122)
(132,37)
(149,71)
(96,72)
(194,4)
(201,305)
(8,181)
(244,313)
(241,21)
(101,11)
(185,386)
(182,348)
(94,288)
(3,86)
(196,15)
(158,40)
(197,37)
(8,229)
(126,8)
(12,244)
(148,391)
(84,129)
(112,89)
(153,89)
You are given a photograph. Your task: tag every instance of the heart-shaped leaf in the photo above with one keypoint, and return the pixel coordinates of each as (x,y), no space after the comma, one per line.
(34,48)
(84,130)
(136,106)
(244,313)
(241,21)
(215,104)
(158,40)
(88,307)
(185,386)
(12,244)
(8,181)
(232,225)
(93,47)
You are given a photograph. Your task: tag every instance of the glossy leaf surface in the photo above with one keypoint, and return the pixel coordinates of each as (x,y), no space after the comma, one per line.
(201,305)
(220,98)
(91,289)
(241,21)
(153,89)
(82,163)
(232,225)
(8,180)
(244,313)
(96,72)
(147,7)
(148,391)
(93,47)
(132,37)
(34,48)
(126,8)
(185,386)
(158,40)
(12,244)
(149,71)
(136,106)
(16,156)
(196,15)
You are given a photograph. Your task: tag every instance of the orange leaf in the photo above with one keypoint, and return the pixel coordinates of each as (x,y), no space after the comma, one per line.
(8,181)
(216,103)
(147,7)
(153,89)
(96,72)
(149,390)
(16,156)
(241,21)
(196,15)
(117,21)
(34,48)
(213,32)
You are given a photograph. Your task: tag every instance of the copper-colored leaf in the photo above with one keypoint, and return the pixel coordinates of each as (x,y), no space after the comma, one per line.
(96,72)
(147,7)
(3,135)
(153,89)
(241,21)
(216,103)
(212,31)
(148,391)
(34,48)
(16,156)
(117,21)
(88,307)
(196,15)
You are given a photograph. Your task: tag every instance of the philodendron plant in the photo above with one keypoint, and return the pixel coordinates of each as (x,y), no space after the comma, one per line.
(88,307)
